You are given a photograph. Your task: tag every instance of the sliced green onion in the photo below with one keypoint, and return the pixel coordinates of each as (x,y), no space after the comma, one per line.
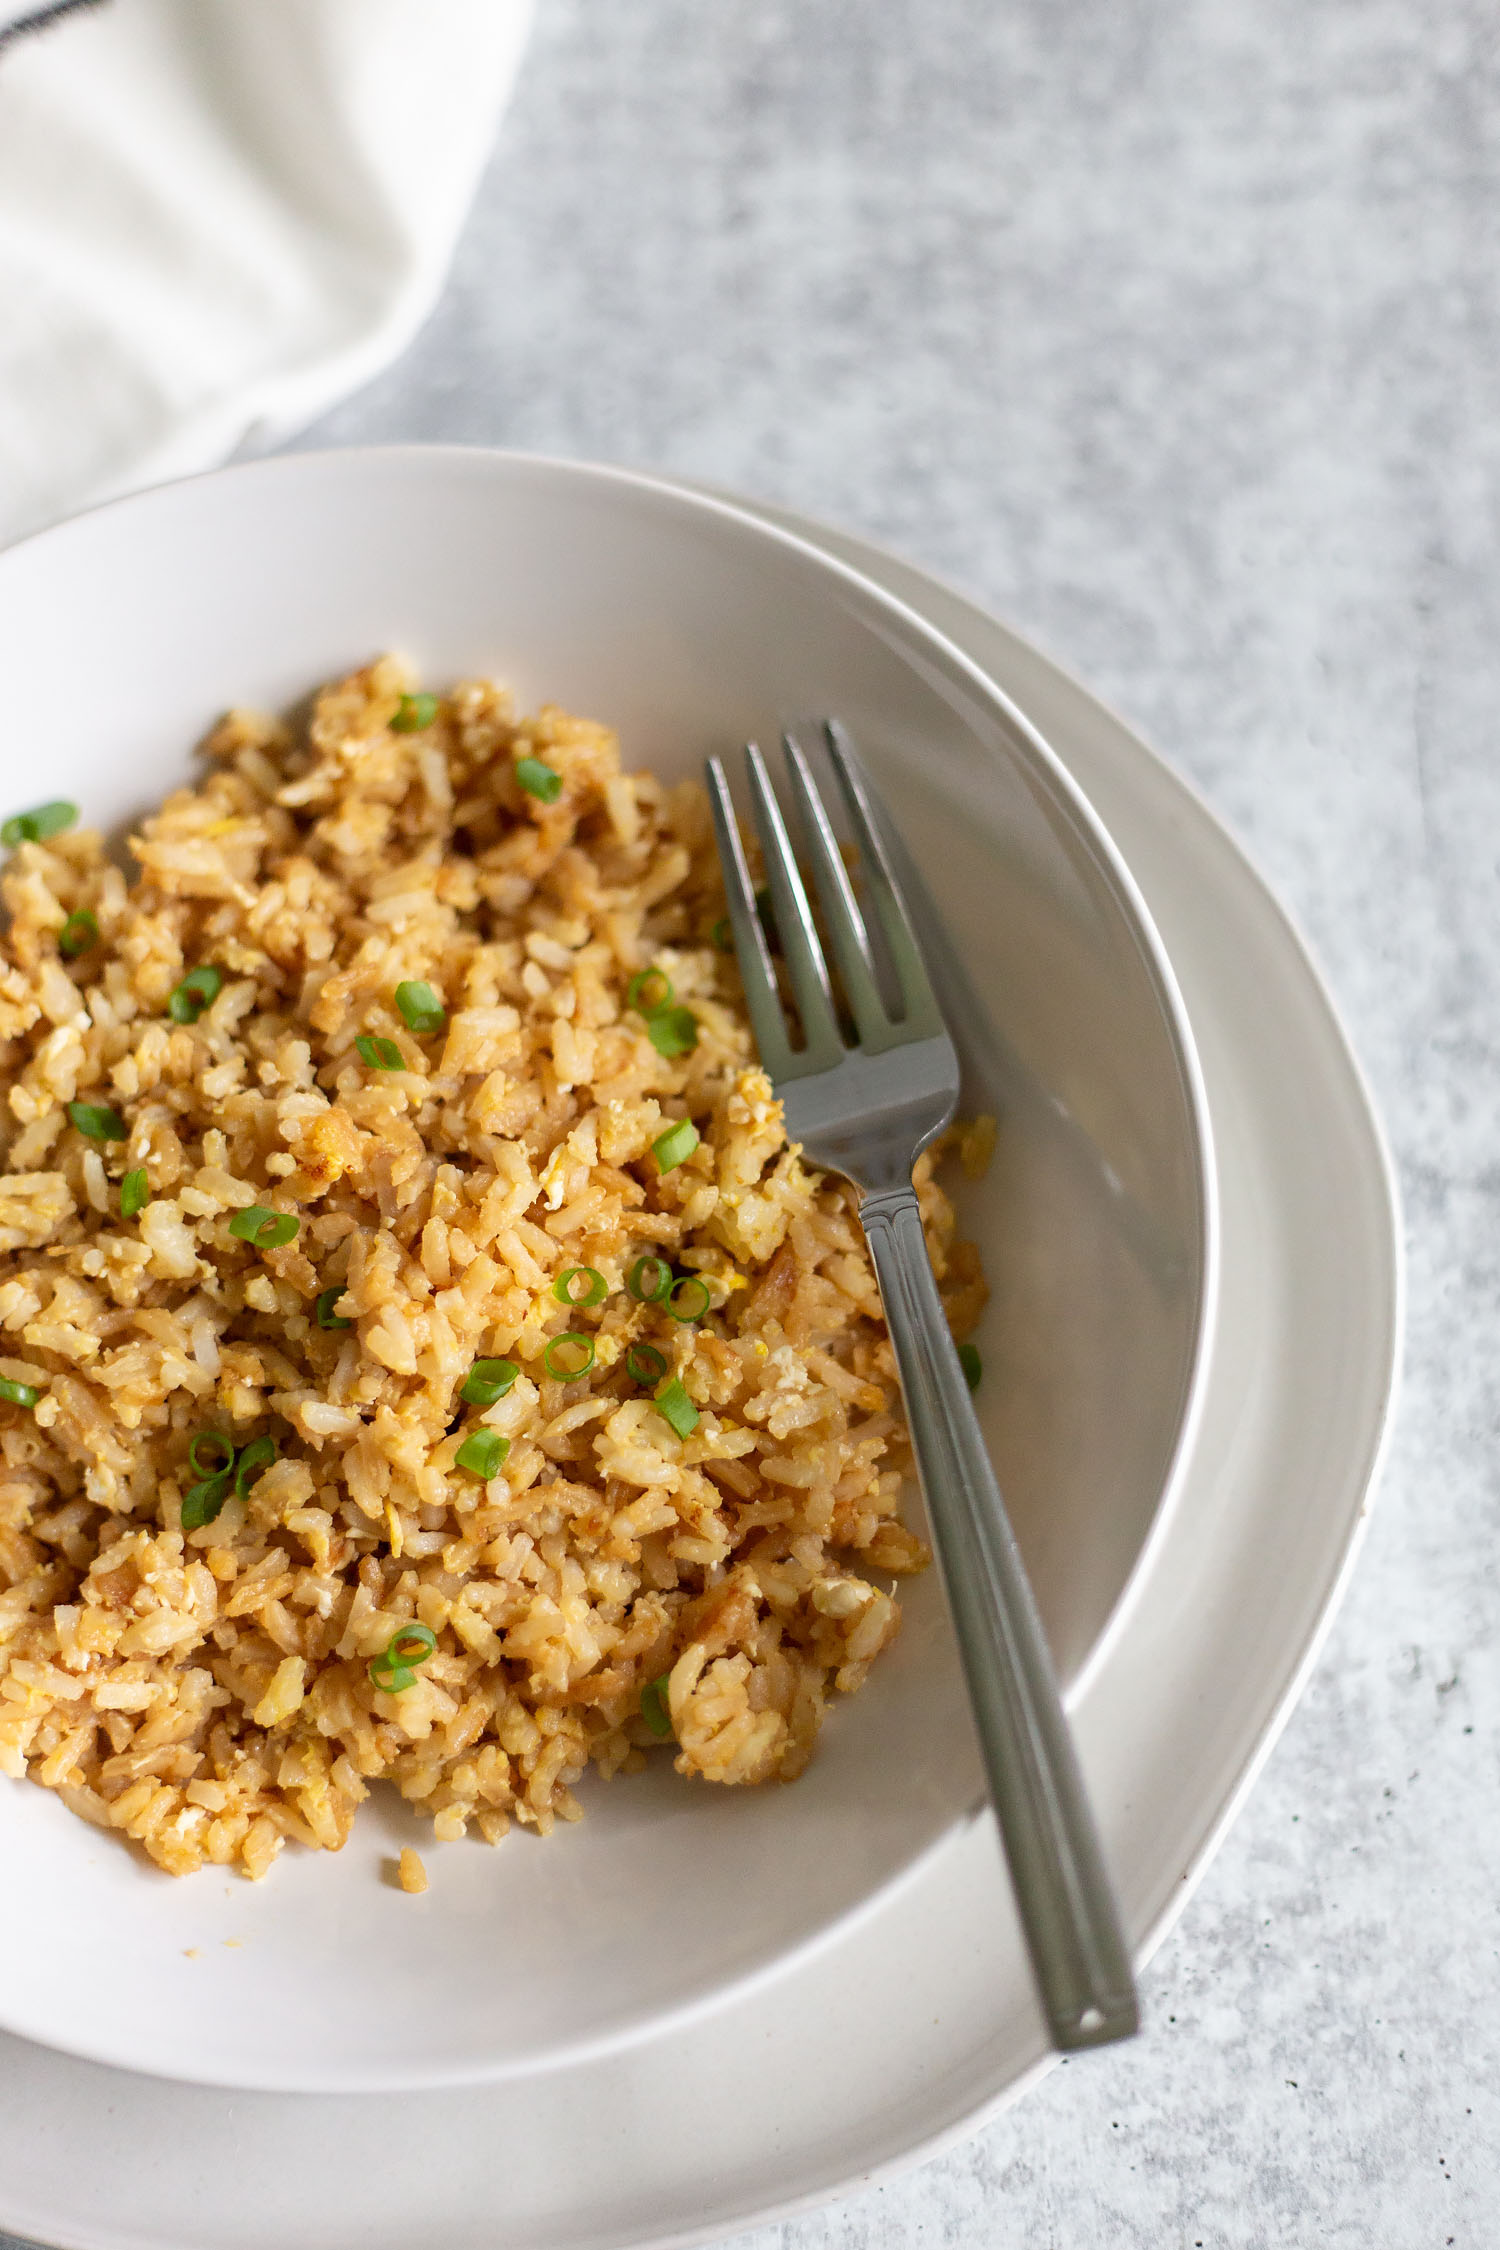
(649,1280)
(675,1144)
(538,780)
(98,1122)
(721,936)
(654,1706)
(672,1031)
(221,1444)
(595,1287)
(135,1192)
(488,1380)
(78,935)
(483,1451)
(413,713)
(561,1374)
(395,1668)
(380,1054)
(971,1363)
(198,990)
(323,1308)
(694,1303)
(648,990)
(202,1502)
(256,1458)
(268,1230)
(36,826)
(421,1009)
(18,1394)
(676,1408)
(645,1364)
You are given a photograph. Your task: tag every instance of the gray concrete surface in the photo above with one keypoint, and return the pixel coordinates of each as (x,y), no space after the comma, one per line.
(1171,332)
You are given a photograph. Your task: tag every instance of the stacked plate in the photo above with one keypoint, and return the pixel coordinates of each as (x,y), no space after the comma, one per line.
(702,2010)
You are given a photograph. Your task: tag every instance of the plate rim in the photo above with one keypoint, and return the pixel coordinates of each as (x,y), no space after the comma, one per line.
(971,2114)
(1378,1446)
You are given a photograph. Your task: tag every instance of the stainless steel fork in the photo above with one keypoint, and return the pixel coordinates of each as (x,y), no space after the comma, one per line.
(868,1111)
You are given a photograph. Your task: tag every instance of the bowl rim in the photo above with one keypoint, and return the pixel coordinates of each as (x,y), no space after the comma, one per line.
(1027,741)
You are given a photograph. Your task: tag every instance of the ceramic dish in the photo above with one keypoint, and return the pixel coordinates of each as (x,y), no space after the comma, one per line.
(917,2021)
(690,626)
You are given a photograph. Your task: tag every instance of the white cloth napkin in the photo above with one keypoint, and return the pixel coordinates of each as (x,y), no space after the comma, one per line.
(218,216)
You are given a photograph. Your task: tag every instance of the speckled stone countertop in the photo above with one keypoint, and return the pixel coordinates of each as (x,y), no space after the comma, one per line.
(1171,333)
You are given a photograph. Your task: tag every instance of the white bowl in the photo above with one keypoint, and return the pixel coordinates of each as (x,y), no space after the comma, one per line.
(690,627)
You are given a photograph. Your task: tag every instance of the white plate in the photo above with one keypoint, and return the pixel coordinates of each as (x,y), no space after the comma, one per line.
(691,626)
(912,2025)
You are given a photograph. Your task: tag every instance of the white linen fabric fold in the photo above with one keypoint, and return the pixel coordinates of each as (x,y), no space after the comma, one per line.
(217,217)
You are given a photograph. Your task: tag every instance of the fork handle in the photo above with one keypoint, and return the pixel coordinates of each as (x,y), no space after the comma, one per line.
(1068,1911)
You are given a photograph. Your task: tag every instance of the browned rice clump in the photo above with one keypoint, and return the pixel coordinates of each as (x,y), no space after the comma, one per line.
(210,1694)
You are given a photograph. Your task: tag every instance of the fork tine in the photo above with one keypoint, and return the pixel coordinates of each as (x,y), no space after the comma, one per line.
(794,924)
(756,972)
(922,1016)
(841,914)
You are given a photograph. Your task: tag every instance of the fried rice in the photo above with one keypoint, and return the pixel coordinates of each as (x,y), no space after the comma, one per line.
(691,1571)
